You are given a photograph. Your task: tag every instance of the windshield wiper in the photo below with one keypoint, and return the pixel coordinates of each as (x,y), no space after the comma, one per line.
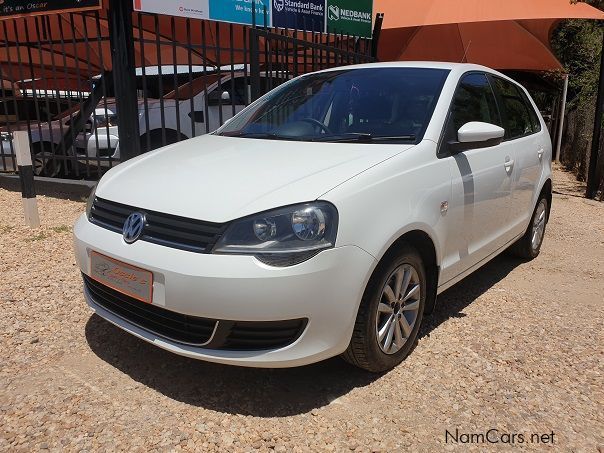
(353,137)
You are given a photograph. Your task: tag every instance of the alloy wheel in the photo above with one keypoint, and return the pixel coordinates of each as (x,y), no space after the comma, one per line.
(538,229)
(398,309)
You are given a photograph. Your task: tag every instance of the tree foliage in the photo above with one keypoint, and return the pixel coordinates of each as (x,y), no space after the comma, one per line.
(577,44)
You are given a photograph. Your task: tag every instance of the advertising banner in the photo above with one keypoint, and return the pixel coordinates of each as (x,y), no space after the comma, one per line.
(198,9)
(306,15)
(12,8)
(351,17)
(240,11)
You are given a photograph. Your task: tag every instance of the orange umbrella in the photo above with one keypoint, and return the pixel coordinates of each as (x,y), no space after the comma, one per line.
(502,34)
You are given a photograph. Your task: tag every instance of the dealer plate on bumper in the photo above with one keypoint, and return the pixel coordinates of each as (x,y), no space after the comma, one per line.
(125,278)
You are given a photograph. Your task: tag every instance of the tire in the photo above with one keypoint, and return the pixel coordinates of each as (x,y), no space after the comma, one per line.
(365,350)
(525,247)
(45,162)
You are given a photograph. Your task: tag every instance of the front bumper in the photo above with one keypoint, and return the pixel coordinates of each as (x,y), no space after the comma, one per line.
(326,290)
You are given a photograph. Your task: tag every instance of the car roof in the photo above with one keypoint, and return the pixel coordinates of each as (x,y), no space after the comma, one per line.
(453,67)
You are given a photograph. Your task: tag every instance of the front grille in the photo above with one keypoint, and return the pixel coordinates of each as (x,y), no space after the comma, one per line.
(197,331)
(163,229)
(174,326)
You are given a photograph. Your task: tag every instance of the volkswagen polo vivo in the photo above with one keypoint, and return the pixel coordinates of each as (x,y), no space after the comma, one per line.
(323,219)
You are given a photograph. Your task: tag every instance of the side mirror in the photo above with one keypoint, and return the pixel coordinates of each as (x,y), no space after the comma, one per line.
(475,135)
(218,98)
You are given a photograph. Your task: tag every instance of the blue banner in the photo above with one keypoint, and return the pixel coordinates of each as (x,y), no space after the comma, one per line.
(299,14)
(240,11)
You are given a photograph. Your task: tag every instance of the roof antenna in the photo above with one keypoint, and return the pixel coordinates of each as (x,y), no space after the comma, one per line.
(465,54)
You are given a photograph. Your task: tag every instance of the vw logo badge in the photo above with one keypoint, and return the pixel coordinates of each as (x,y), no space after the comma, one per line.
(133,227)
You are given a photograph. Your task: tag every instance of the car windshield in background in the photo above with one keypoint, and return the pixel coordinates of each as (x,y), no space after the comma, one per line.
(385,105)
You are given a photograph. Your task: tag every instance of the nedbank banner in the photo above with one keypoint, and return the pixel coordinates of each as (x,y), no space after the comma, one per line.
(352,17)
(349,17)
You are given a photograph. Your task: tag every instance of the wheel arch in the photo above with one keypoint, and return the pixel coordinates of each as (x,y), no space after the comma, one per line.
(425,245)
(547,191)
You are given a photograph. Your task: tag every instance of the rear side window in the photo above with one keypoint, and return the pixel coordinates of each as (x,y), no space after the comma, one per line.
(473,101)
(535,123)
(519,118)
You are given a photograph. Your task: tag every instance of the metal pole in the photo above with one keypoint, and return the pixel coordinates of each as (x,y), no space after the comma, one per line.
(561,121)
(377,30)
(592,184)
(124,76)
(26,176)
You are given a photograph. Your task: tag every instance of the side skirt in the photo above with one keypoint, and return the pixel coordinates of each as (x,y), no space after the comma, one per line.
(476,266)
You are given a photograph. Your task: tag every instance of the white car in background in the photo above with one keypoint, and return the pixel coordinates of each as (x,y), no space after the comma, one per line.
(324,219)
(181,114)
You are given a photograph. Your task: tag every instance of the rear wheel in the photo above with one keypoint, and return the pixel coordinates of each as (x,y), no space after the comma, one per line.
(529,245)
(390,313)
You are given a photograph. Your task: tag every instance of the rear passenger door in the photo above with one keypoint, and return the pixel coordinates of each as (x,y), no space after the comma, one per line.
(479,210)
(522,127)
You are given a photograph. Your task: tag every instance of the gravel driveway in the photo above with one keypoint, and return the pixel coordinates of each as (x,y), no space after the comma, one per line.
(516,348)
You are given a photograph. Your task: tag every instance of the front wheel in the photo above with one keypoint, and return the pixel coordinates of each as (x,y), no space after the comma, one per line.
(390,313)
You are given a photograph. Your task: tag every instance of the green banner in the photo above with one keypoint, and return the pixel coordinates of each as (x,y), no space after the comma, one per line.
(351,17)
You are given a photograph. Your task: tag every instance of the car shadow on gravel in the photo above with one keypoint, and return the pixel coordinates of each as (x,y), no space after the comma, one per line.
(450,304)
(263,392)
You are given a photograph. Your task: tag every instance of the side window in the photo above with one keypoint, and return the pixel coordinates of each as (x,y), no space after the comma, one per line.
(516,115)
(473,101)
(535,123)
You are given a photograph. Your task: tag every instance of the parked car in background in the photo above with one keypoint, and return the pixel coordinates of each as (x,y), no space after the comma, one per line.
(191,109)
(324,219)
(197,106)
(47,120)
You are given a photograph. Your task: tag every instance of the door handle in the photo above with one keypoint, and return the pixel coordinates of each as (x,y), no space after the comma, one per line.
(540,152)
(509,164)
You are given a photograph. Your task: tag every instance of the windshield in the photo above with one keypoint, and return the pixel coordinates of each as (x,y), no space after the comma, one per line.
(372,104)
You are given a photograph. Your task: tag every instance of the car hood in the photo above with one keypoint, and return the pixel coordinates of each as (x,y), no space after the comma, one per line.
(219,179)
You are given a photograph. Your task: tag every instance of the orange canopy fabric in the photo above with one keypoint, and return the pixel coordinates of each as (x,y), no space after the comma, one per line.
(502,34)
(413,13)
(62,48)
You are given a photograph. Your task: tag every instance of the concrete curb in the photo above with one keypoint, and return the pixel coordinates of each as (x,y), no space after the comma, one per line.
(52,187)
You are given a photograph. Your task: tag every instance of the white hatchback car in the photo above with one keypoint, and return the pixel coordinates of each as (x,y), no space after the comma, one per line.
(323,219)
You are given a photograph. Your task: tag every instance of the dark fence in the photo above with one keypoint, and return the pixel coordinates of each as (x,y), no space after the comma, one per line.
(57,82)
(50,64)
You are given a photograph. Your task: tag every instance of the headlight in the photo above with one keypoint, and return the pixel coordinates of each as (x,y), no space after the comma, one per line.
(90,201)
(285,236)
(108,120)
